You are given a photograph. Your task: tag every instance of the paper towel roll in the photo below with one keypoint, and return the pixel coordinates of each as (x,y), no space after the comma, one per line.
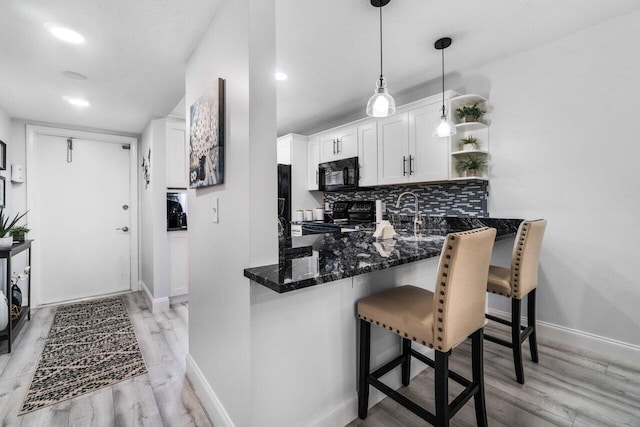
(378,211)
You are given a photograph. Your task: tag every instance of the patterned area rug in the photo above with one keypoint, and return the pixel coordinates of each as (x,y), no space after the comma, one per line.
(91,345)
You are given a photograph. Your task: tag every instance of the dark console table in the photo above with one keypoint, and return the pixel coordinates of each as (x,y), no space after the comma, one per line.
(14,326)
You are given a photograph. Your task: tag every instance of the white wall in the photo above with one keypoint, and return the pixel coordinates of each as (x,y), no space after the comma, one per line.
(240,38)
(563,148)
(146,212)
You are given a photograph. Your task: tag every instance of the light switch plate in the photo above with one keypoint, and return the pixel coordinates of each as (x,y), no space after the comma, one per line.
(216,216)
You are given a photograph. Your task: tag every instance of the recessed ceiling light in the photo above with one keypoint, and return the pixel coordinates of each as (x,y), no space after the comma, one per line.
(65,34)
(281,76)
(74,76)
(78,102)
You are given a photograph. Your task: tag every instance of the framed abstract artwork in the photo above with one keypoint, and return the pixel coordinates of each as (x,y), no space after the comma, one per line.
(3,156)
(207,138)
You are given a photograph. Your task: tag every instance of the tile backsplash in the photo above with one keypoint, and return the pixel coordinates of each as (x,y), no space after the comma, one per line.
(464,198)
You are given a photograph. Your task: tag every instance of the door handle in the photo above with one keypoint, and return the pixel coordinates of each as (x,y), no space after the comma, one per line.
(125,228)
(404,166)
(410,165)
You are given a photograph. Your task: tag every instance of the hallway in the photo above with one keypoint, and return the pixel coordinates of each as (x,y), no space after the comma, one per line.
(160,397)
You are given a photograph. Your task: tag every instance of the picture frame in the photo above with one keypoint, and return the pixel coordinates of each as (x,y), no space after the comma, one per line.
(207,138)
(3,192)
(3,156)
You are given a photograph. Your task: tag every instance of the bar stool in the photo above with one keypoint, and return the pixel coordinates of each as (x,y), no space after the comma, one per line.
(517,282)
(440,321)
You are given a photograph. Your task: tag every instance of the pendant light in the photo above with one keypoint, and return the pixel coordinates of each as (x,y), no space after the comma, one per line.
(444,128)
(381,104)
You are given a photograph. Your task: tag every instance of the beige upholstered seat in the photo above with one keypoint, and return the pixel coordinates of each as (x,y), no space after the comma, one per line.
(440,320)
(517,282)
(407,311)
(498,281)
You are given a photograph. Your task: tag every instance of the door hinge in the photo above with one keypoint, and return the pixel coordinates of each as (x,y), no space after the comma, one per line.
(126,146)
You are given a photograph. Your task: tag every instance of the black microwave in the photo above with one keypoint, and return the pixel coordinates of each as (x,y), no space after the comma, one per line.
(339,175)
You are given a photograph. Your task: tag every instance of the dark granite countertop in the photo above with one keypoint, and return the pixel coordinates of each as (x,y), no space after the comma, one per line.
(319,258)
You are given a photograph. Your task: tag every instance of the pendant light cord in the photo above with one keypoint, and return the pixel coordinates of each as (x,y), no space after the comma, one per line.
(381,45)
(443,110)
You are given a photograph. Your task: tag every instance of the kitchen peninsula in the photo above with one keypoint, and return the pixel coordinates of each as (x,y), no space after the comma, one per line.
(303,314)
(314,259)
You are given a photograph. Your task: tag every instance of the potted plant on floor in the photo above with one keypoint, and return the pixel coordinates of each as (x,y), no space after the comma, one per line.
(469,113)
(472,166)
(6,224)
(469,143)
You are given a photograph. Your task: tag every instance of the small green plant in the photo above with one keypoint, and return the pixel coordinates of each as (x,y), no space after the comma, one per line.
(19,231)
(472,163)
(470,110)
(469,140)
(7,224)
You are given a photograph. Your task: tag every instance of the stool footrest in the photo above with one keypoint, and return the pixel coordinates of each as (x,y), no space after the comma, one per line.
(387,367)
(525,333)
(462,398)
(497,340)
(452,374)
(407,403)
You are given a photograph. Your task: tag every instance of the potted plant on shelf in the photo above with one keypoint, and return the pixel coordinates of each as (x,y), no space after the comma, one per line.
(472,166)
(19,232)
(469,113)
(469,143)
(6,224)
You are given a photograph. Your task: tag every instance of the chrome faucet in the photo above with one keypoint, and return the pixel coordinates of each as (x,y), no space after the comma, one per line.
(417,221)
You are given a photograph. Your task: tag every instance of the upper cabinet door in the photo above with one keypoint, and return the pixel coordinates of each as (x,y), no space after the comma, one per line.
(368,153)
(328,147)
(313,159)
(347,142)
(393,149)
(177,169)
(428,154)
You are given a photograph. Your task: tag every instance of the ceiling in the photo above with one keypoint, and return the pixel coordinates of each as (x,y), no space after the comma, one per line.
(134,56)
(330,49)
(135,52)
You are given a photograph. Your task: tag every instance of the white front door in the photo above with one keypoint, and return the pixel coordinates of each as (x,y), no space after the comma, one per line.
(81,198)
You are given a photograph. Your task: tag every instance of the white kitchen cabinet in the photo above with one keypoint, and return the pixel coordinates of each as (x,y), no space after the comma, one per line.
(177,165)
(393,149)
(178,262)
(337,144)
(368,153)
(408,151)
(313,159)
(428,154)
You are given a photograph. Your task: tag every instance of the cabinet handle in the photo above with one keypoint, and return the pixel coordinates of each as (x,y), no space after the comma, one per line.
(410,165)
(334,147)
(404,166)
(338,141)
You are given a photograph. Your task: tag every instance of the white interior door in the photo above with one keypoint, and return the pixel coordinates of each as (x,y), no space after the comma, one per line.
(84,248)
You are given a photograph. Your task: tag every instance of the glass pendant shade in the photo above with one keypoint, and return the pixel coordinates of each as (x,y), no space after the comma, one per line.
(381,104)
(444,128)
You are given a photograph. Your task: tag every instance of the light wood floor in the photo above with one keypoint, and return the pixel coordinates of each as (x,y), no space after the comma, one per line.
(564,389)
(161,397)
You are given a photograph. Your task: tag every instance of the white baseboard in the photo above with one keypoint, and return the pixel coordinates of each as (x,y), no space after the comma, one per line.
(210,402)
(178,299)
(603,347)
(158,304)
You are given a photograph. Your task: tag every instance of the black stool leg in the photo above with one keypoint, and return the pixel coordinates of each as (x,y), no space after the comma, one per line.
(477,363)
(531,321)
(515,339)
(406,365)
(363,384)
(442,388)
